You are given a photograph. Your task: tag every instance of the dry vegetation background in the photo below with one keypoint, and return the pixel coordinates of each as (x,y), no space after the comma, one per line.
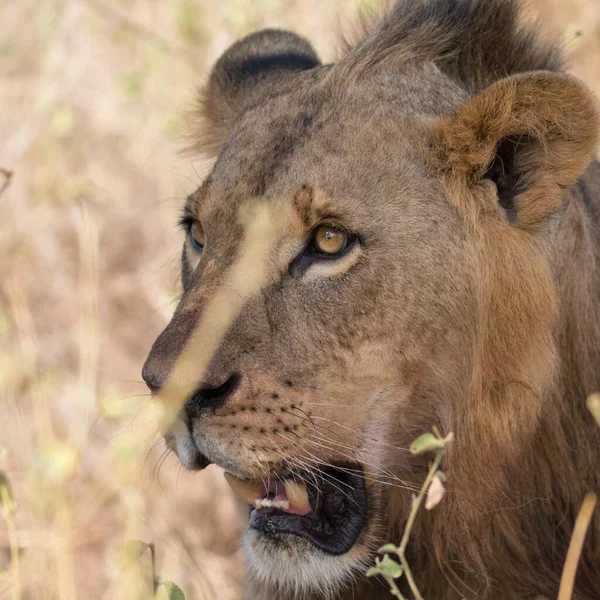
(92,95)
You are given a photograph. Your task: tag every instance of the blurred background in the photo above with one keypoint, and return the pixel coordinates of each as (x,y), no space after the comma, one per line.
(93,95)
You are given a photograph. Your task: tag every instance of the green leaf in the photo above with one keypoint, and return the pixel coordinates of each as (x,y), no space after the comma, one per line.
(173,591)
(134,549)
(372,572)
(388,548)
(389,567)
(426,443)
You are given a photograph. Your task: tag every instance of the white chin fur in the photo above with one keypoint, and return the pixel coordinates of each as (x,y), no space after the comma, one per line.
(291,566)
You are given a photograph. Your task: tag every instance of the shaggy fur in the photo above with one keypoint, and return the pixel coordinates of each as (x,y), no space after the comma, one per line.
(450,142)
(473,42)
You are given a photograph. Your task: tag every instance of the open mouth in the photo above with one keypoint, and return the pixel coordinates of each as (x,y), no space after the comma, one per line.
(327,507)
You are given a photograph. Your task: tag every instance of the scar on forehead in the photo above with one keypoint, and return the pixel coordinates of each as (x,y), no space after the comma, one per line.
(303,204)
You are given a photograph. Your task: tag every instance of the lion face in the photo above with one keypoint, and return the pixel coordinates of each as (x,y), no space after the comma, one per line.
(371,287)
(314,380)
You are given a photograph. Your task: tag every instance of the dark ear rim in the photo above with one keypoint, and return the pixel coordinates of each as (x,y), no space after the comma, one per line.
(550,120)
(247,71)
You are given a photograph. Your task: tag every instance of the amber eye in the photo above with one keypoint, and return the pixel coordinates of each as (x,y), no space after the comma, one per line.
(329,239)
(197,235)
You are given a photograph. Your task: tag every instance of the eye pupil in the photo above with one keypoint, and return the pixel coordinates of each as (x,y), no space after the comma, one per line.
(197,235)
(330,240)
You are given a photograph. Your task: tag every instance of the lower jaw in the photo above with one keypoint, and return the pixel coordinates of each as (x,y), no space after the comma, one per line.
(339,513)
(339,509)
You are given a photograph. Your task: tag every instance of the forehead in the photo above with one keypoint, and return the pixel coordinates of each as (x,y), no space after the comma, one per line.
(353,145)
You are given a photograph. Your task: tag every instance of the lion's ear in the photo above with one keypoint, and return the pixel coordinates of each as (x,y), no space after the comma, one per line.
(246,72)
(531,134)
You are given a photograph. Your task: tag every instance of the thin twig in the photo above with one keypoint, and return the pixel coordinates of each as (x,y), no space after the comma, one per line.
(155,576)
(416,504)
(387,568)
(6,502)
(567,581)
(394,589)
(8,175)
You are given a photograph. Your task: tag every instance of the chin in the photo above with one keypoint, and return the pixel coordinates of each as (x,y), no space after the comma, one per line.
(309,532)
(319,552)
(314,545)
(291,566)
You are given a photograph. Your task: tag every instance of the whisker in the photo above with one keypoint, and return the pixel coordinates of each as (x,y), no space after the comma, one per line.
(309,419)
(335,483)
(159,465)
(372,439)
(405,484)
(353,458)
(382,472)
(301,465)
(307,466)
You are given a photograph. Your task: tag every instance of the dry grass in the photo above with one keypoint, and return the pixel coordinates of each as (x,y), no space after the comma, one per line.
(91,100)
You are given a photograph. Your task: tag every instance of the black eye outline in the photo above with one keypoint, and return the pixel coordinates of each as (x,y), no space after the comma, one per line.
(311,253)
(187,223)
(195,243)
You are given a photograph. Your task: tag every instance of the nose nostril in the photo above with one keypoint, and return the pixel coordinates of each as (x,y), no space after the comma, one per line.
(209,397)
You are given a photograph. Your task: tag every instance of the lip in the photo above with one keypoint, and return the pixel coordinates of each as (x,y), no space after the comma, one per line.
(338,510)
(338,506)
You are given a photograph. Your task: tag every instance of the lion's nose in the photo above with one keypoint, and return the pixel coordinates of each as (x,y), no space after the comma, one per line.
(154,374)
(209,397)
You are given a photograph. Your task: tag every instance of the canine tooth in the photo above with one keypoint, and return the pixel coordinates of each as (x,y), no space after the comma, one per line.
(297,494)
(247,490)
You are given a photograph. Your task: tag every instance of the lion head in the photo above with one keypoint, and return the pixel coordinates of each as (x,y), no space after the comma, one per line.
(430,262)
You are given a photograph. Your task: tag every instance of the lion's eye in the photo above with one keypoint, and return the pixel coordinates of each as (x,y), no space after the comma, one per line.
(330,240)
(326,242)
(197,236)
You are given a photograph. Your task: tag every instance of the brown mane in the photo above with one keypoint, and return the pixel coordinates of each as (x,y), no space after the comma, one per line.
(527,450)
(475,42)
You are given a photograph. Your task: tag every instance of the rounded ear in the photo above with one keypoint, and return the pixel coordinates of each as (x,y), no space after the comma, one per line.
(247,71)
(533,135)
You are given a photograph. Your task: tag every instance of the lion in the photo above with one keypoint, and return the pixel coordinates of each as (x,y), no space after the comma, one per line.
(439,266)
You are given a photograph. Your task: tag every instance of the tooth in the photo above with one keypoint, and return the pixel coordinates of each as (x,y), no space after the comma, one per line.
(281,504)
(249,491)
(297,494)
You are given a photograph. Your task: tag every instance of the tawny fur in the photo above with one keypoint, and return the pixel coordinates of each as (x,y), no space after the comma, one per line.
(477,315)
